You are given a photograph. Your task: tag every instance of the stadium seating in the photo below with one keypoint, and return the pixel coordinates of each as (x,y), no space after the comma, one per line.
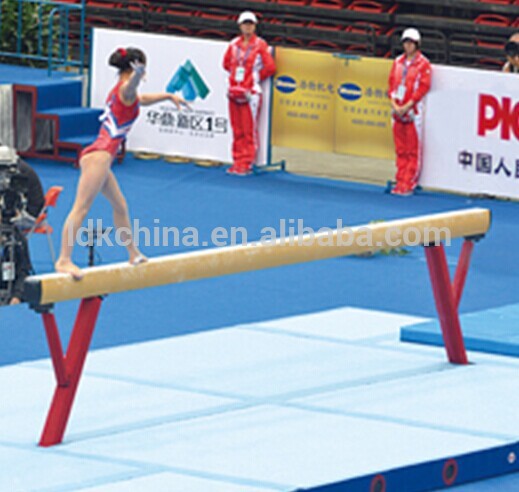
(335,25)
(329,4)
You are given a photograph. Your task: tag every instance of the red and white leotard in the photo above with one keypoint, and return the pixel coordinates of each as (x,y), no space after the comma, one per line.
(117,121)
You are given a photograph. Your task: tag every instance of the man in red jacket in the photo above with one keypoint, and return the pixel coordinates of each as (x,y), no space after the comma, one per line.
(248,62)
(409,82)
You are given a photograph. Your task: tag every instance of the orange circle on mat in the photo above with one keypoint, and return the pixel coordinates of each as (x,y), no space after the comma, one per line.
(450,472)
(378,484)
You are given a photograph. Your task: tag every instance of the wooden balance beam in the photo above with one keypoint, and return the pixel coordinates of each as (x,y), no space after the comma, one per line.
(42,291)
(217,262)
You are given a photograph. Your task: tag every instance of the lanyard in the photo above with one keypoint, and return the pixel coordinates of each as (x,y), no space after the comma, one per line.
(407,66)
(404,73)
(241,61)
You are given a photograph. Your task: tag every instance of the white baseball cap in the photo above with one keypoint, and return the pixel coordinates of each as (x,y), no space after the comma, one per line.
(412,34)
(247,16)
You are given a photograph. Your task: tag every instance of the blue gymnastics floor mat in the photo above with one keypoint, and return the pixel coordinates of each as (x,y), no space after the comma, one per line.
(494,331)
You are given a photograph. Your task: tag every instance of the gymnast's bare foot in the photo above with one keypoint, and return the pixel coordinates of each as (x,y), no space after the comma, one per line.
(66,266)
(136,258)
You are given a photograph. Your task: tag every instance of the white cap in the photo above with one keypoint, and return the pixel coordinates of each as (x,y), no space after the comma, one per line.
(412,34)
(247,16)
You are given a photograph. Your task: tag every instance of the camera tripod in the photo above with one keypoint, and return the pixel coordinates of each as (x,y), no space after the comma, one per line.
(91,237)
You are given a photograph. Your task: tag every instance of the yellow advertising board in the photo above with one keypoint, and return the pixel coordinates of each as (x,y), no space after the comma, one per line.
(304,98)
(330,103)
(363,110)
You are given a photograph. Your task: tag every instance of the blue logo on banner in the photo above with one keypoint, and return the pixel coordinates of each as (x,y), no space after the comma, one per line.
(350,92)
(188,80)
(286,84)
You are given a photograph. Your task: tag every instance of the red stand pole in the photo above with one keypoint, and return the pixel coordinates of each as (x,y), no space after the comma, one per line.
(56,350)
(462,270)
(446,304)
(68,369)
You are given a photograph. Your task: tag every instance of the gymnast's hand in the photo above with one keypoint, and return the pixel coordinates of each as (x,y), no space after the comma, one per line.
(179,102)
(139,69)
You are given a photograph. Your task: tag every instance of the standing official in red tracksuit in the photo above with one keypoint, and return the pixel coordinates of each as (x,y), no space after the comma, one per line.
(248,62)
(409,82)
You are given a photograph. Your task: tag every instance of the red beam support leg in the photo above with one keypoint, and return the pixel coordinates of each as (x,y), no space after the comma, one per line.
(56,350)
(446,304)
(68,369)
(462,270)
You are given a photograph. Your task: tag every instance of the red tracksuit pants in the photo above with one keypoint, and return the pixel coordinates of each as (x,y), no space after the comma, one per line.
(408,154)
(244,122)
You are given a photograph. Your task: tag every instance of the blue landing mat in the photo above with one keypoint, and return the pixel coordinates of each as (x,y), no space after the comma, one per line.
(284,408)
(495,331)
(468,468)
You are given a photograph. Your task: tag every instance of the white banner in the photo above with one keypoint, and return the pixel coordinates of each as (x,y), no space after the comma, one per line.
(471,134)
(190,67)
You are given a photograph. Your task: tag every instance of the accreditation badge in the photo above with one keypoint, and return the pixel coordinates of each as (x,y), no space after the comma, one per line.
(400,92)
(239,76)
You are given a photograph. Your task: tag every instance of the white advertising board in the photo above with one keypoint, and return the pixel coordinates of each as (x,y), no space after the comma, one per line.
(204,132)
(471,132)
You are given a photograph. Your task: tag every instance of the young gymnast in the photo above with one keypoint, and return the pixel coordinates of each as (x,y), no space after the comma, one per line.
(122,109)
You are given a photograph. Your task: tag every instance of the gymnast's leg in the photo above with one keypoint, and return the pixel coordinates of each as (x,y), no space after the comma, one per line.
(95,167)
(112,192)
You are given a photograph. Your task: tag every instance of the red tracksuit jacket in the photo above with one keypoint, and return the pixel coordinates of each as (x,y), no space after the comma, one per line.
(256,60)
(417,79)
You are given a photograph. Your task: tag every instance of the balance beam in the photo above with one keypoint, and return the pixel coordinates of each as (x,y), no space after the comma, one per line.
(43,290)
(217,262)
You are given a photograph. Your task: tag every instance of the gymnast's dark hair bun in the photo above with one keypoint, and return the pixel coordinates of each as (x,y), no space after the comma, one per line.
(122,58)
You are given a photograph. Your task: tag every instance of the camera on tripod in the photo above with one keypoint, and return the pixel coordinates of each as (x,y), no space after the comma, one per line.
(13,186)
(13,204)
